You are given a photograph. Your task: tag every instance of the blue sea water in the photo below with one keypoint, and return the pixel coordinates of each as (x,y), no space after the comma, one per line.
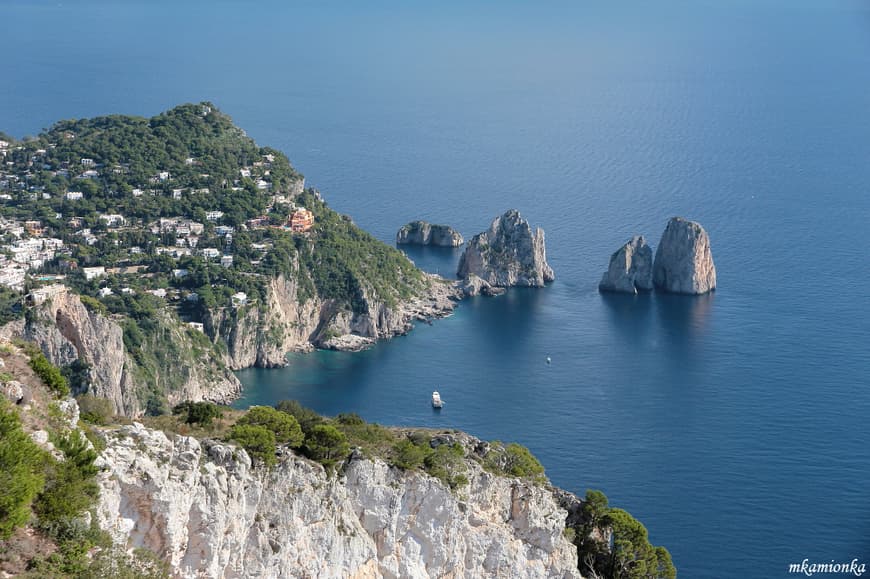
(735,425)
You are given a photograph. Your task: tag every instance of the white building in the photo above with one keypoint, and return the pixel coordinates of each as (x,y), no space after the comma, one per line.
(210,252)
(93,272)
(74,195)
(214,215)
(226,261)
(239,299)
(113,220)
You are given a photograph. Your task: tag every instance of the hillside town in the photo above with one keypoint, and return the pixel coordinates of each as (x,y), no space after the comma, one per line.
(50,232)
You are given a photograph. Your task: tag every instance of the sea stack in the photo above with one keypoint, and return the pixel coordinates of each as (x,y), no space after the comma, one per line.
(630,269)
(684,262)
(508,254)
(424,233)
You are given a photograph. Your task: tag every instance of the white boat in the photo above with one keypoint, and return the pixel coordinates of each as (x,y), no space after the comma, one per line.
(436,400)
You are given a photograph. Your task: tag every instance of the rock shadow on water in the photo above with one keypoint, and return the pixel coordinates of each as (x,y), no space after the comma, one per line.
(630,315)
(684,322)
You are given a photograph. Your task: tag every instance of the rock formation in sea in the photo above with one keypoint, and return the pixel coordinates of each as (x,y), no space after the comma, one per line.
(630,268)
(203,508)
(684,262)
(424,233)
(509,253)
(473,286)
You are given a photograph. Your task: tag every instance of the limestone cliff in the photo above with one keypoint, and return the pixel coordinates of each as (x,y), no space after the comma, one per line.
(261,336)
(203,508)
(630,268)
(425,233)
(684,261)
(67,331)
(508,254)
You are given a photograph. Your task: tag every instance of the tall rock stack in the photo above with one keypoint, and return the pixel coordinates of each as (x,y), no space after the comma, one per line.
(684,262)
(630,268)
(509,253)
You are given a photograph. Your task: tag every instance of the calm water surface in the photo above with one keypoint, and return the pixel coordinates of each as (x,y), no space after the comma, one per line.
(735,426)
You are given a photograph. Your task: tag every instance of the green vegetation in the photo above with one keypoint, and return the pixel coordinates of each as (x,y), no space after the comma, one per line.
(631,556)
(21,466)
(11,305)
(70,487)
(513,460)
(326,444)
(306,417)
(49,374)
(95,410)
(258,441)
(283,426)
(202,413)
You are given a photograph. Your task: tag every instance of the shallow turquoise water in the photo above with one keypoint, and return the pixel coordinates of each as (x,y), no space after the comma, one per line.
(733,425)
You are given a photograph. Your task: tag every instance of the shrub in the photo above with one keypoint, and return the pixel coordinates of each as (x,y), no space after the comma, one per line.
(284,426)
(408,455)
(350,419)
(306,417)
(258,441)
(326,444)
(21,479)
(520,462)
(202,413)
(70,488)
(447,464)
(95,410)
(49,374)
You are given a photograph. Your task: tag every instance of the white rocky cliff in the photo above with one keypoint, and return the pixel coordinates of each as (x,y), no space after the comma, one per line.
(67,331)
(203,508)
(684,261)
(425,233)
(630,268)
(508,254)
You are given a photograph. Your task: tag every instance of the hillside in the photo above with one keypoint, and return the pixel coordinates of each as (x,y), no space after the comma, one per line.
(181,223)
(277,492)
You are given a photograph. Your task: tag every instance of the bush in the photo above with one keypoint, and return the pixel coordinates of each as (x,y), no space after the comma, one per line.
(49,374)
(306,417)
(326,444)
(408,455)
(350,419)
(447,464)
(284,426)
(21,479)
(70,487)
(94,410)
(258,441)
(522,463)
(202,413)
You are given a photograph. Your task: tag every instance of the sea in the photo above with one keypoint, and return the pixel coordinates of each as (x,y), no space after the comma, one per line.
(735,426)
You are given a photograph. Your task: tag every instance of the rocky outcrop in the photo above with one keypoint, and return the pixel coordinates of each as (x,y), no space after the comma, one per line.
(424,233)
(262,336)
(508,254)
(684,262)
(473,286)
(204,509)
(67,331)
(630,268)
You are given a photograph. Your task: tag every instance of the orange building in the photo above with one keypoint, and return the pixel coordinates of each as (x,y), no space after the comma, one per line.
(301,220)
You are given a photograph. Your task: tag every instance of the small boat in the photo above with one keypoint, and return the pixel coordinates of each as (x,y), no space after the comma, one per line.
(548,360)
(436,400)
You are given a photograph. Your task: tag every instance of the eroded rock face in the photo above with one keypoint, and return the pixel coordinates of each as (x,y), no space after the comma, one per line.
(205,510)
(424,233)
(67,331)
(508,254)
(684,261)
(630,268)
